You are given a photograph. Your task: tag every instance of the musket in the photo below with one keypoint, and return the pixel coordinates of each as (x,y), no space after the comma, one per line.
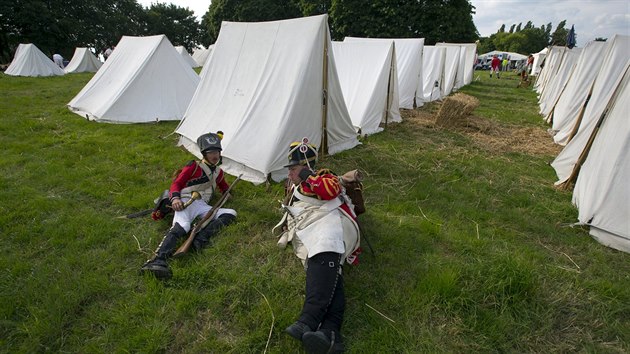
(205,220)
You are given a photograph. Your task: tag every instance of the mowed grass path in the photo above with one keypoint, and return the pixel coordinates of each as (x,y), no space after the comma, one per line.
(471,251)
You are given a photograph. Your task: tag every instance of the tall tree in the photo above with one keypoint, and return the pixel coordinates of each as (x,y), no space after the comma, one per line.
(370,19)
(314,7)
(559,36)
(528,40)
(56,26)
(248,11)
(434,20)
(177,23)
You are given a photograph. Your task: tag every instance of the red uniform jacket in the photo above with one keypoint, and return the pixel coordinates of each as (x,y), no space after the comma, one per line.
(192,175)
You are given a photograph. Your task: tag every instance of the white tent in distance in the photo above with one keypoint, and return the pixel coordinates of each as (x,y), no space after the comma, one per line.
(187,58)
(369,81)
(30,61)
(408,66)
(83,61)
(144,80)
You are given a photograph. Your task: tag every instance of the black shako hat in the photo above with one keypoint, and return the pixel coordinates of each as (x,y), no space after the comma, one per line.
(302,153)
(210,141)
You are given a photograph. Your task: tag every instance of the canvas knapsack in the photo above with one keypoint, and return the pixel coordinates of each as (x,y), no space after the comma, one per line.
(352,182)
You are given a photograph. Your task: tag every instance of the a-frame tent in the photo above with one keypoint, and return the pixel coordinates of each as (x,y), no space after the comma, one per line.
(409,66)
(602,191)
(200,55)
(552,63)
(369,82)
(143,80)
(466,64)
(572,101)
(30,61)
(187,58)
(539,58)
(556,85)
(451,63)
(83,61)
(433,58)
(614,64)
(266,85)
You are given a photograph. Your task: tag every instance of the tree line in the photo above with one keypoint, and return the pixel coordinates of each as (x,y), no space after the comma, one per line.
(524,39)
(60,27)
(434,20)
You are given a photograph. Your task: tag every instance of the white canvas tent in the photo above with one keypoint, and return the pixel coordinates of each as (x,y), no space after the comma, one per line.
(466,63)
(30,61)
(615,63)
(512,56)
(569,105)
(266,85)
(602,191)
(552,63)
(556,85)
(451,63)
(432,69)
(143,80)
(538,59)
(200,55)
(409,66)
(83,61)
(369,82)
(187,58)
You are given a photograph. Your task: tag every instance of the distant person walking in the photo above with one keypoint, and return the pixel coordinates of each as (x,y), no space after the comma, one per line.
(58,59)
(494,65)
(530,64)
(505,64)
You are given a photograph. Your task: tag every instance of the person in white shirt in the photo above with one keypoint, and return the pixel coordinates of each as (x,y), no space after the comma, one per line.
(58,59)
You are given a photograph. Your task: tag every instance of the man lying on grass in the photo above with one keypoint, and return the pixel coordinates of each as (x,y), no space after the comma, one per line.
(197,179)
(320,223)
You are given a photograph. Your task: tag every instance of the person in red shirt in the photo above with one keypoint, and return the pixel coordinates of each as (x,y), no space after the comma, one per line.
(202,177)
(530,64)
(321,225)
(495,65)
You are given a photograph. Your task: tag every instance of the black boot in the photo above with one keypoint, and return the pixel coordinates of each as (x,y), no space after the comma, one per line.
(297,330)
(157,265)
(203,236)
(323,342)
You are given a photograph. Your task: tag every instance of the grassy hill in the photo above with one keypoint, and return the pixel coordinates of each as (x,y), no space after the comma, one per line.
(471,248)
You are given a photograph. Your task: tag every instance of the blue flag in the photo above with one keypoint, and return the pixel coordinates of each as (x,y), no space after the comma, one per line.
(571,38)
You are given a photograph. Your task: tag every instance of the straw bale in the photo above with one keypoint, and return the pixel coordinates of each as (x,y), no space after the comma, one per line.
(455,110)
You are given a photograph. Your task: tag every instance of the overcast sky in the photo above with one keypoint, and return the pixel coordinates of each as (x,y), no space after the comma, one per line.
(592,18)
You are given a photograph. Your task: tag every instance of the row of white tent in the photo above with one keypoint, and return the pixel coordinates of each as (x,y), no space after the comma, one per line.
(584,94)
(30,61)
(270,83)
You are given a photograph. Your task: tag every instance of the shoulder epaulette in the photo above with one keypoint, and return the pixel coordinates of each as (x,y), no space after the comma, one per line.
(324,171)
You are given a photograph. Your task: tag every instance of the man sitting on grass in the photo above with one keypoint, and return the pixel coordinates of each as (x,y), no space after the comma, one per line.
(202,177)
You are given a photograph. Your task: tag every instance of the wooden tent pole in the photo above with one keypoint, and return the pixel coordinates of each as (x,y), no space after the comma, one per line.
(324,146)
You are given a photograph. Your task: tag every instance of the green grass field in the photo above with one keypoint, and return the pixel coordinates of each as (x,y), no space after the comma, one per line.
(471,249)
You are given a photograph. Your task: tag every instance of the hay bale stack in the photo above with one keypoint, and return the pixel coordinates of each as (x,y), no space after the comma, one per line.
(455,109)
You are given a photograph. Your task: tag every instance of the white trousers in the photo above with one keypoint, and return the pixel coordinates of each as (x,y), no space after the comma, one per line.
(198,208)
